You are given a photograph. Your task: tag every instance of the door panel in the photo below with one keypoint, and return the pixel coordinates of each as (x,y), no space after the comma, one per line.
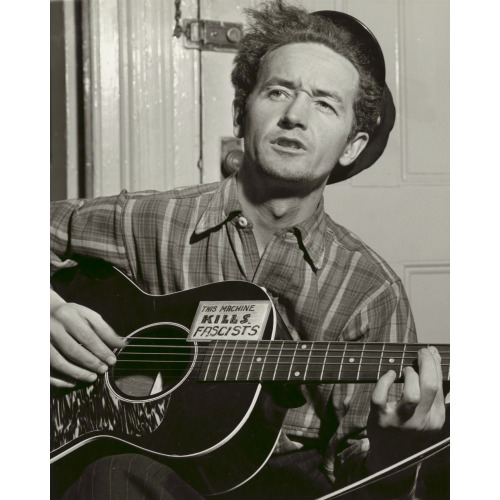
(142,97)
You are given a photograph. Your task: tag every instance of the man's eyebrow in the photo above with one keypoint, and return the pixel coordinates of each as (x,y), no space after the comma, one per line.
(276,80)
(295,85)
(328,93)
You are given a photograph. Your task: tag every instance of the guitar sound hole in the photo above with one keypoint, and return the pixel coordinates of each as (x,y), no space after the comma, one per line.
(154,361)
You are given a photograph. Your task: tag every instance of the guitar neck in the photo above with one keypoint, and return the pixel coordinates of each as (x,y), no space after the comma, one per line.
(306,361)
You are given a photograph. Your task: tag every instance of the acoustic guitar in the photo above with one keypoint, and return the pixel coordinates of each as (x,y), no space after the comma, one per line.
(198,384)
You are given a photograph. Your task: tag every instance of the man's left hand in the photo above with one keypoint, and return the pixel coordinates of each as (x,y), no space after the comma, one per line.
(399,429)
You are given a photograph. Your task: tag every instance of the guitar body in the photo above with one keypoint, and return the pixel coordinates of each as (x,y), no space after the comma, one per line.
(216,436)
(198,406)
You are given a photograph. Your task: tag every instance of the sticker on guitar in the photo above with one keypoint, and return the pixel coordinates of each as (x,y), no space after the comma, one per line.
(236,320)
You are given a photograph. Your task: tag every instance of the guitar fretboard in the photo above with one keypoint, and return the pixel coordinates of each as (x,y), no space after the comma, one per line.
(305,361)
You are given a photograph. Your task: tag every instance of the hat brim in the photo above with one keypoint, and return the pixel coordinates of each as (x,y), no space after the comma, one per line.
(375,64)
(376,143)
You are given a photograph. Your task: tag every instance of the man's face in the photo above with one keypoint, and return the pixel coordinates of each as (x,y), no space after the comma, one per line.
(300,114)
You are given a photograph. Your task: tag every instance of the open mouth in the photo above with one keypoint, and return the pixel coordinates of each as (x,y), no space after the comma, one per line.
(289,143)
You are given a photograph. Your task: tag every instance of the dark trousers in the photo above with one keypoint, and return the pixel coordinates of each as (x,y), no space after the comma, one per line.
(295,476)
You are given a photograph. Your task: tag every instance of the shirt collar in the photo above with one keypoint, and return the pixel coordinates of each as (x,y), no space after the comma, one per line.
(312,235)
(224,205)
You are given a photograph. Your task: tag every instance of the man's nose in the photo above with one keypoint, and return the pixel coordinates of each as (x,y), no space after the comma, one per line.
(297,112)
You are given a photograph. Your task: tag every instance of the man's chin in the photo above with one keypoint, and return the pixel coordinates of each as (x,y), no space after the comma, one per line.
(285,172)
(293,179)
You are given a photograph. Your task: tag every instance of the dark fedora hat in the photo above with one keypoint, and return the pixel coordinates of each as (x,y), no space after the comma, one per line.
(375,64)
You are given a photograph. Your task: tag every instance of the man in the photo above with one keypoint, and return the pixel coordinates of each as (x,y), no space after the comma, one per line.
(310,100)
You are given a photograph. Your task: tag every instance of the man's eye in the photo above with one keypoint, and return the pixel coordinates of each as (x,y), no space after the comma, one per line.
(326,107)
(277,94)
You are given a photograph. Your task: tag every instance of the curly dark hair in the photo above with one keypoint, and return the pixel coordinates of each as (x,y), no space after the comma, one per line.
(275,24)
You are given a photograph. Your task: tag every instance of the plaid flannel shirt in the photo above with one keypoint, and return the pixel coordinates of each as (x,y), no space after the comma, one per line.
(330,285)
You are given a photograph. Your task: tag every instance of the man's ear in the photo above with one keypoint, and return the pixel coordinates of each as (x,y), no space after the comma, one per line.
(238,120)
(354,148)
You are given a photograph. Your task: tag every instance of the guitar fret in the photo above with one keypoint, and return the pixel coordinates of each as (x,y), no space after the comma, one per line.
(241,360)
(360,362)
(324,361)
(250,363)
(291,364)
(391,359)
(371,356)
(402,361)
(235,359)
(342,361)
(230,361)
(278,360)
(380,361)
(300,363)
(308,358)
(212,348)
(265,360)
(351,361)
(314,367)
(220,360)
(257,360)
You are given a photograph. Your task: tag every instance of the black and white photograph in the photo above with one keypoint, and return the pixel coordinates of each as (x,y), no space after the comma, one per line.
(249,250)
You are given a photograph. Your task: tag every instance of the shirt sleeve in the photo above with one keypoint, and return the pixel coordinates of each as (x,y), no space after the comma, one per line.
(88,228)
(389,319)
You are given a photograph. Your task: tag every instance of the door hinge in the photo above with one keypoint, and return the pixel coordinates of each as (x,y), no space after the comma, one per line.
(212,35)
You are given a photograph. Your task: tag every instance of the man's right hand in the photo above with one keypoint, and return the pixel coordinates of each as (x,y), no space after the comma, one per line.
(80,343)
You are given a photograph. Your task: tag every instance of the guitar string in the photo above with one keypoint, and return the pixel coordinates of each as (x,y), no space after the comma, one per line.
(295,345)
(261,363)
(214,346)
(267,374)
(272,374)
(239,357)
(295,368)
(275,350)
(326,362)
(270,352)
(262,348)
(368,368)
(183,351)
(252,357)
(290,341)
(284,347)
(217,341)
(285,378)
(227,358)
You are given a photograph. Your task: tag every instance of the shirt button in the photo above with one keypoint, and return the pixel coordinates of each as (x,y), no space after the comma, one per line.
(242,222)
